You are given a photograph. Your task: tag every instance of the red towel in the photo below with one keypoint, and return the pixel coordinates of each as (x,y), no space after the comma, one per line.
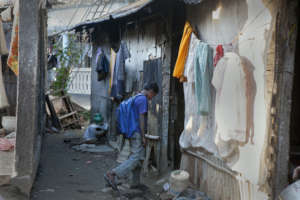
(219,54)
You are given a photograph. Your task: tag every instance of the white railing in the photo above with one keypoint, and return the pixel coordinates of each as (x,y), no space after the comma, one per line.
(80,81)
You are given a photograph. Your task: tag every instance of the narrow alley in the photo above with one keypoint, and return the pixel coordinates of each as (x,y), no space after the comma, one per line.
(149,99)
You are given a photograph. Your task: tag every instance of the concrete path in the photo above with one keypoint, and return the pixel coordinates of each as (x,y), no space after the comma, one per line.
(66,174)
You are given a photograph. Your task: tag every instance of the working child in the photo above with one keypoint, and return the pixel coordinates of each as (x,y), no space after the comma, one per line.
(132,121)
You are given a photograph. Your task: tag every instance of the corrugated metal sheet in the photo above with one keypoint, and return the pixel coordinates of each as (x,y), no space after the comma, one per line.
(122,12)
(193,1)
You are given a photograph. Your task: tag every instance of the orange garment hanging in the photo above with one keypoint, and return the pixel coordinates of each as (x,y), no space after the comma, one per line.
(13,56)
(183,51)
(113,56)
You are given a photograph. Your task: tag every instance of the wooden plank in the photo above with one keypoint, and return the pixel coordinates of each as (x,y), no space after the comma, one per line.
(70,123)
(54,117)
(61,97)
(67,115)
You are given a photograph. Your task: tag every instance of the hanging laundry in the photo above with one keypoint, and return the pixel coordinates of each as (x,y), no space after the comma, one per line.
(113,56)
(219,54)
(198,130)
(118,87)
(102,67)
(90,51)
(3,47)
(87,51)
(183,51)
(3,97)
(7,27)
(12,61)
(230,110)
(203,65)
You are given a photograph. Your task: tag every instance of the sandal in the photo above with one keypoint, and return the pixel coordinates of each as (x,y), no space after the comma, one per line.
(109,178)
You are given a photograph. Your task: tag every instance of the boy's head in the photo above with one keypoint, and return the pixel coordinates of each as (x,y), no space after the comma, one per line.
(151,90)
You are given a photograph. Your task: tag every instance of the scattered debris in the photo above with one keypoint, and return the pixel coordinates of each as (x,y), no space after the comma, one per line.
(166,187)
(89,162)
(107,189)
(86,191)
(12,135)
(48,190)
(166,196)
(92,148)
(191,194)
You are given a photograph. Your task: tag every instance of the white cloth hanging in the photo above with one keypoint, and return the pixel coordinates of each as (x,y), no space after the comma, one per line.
(229,81)
(3,47)
(3,97)
(198,130)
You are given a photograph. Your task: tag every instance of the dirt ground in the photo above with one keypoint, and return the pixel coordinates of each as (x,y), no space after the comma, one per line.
(66,174)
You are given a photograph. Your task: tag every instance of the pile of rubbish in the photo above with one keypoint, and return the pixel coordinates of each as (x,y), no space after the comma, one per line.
(8,134)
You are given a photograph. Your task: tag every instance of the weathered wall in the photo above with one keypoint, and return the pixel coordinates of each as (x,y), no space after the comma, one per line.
(145,40)
(243,27)
(142,43)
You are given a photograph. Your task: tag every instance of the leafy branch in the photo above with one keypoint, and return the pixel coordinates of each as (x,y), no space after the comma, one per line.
(69,58)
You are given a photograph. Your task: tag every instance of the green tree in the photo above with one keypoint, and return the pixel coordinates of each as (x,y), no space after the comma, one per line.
(69,57)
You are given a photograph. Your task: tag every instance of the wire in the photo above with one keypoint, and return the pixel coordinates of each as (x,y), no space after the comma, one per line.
(75,12)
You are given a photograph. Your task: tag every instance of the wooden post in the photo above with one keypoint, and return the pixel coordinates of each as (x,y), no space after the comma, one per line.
(30,97)
(284,74)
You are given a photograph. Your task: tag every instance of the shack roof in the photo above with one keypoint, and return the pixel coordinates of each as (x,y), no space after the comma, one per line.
(120,13)
(193,1)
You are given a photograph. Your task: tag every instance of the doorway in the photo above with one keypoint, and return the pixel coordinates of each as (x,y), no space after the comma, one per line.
(295,112)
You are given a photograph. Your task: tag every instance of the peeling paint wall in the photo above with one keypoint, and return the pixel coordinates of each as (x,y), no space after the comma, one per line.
(246,28)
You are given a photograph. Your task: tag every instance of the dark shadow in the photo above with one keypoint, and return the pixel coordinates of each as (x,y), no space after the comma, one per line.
(250,95)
